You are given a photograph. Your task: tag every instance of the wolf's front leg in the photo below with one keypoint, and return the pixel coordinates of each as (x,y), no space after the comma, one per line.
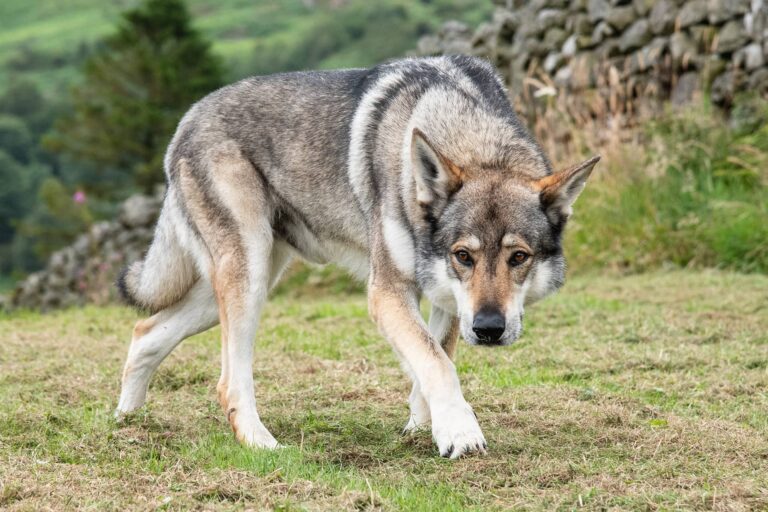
(394,307)
(444,328)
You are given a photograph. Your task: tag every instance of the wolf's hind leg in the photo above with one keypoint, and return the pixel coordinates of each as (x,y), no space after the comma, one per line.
(156,337)
(241,280)
(444,327)
(280,258)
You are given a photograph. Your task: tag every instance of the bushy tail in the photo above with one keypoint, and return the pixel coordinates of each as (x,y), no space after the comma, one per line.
(165,274)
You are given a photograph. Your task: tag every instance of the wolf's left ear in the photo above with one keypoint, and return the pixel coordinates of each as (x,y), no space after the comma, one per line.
(436,176)
(558,191)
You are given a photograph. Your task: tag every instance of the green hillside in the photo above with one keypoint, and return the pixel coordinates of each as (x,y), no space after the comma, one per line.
(46,40)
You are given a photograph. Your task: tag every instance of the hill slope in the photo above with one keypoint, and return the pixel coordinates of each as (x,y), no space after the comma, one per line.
(46,39)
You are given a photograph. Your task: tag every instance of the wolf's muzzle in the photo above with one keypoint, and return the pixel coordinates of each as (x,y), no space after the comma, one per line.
(488,325)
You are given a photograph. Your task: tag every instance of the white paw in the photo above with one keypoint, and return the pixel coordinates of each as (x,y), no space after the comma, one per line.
(251,432)
(456,431)
(258,437)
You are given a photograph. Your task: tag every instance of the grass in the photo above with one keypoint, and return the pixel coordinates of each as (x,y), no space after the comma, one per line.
(42,40)
(692,192)
(642,392)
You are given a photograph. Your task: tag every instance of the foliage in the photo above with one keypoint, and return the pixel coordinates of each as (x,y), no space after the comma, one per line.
(356,33)
(15,138)
(55,221)
(697,197)
(136,89)
(47,40)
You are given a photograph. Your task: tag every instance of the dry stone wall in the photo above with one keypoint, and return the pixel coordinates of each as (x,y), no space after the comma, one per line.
(85,271)
(621,56)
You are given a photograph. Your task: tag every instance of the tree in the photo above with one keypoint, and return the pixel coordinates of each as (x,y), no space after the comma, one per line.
(15,138)
(136,88)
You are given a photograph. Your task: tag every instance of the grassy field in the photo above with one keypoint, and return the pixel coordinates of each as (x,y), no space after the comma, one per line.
(642,392)
(41,40)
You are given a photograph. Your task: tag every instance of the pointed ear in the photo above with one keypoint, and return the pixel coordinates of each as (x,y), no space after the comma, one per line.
(558,191)
(436,177)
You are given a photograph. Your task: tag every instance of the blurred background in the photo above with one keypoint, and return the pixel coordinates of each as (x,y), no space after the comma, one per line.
(671,93)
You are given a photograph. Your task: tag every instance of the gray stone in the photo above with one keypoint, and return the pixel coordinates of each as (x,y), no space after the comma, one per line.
(579,24)
(750,57)
(537,5)
(663,16)
(485,35)
(608,49)
(635,36)
(507,23)
(693,11)
(555,37)
(58,282)
(601,32)
(681,47)
(82,246)
(457,46)
(549,18)
(455,29)
(643,7)
(103,230)
(732,37)
(758,82)
(685,89)
(139,210)
(648,56)
(563,77)
(570,46)
(756,24)
(529,27)
(720,11)
(429,45)
(535,47)
(57,261)
(724,88)
(597,10)
(585,42)
(553,61)
(621,17)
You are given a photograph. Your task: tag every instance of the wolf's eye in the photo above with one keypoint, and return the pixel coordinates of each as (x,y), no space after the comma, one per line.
(518,258)
(463,257)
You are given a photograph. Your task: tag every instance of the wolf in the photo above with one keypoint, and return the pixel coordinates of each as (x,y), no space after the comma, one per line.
(415,175)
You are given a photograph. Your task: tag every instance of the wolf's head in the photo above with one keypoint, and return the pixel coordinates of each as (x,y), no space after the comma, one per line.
(495,237)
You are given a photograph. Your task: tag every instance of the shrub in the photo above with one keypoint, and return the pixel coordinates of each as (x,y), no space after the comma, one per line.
(694,194)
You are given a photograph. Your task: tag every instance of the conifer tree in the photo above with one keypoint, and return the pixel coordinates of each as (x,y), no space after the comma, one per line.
(136,87)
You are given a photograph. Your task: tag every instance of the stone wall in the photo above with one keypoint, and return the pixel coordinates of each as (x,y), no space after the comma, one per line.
(620,56)
(85,271)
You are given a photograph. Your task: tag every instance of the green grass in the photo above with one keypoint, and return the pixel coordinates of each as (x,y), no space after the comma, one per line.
(642,392)
(262,36)
(693,192)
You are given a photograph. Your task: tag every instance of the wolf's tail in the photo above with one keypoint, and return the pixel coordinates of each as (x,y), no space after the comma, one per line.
(165,274)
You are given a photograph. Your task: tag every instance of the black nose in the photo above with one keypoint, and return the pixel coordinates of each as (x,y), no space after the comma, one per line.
(488,326)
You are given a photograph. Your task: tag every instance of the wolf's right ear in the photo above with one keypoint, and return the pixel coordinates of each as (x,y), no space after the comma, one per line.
(436,176)
(558,191)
